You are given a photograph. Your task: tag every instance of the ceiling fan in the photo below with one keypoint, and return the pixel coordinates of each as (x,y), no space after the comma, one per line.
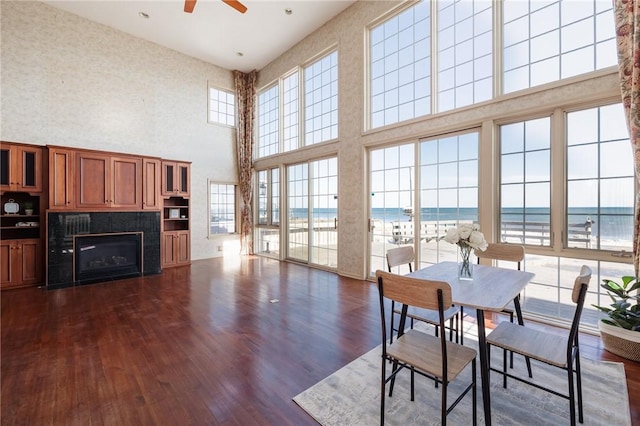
(190,4)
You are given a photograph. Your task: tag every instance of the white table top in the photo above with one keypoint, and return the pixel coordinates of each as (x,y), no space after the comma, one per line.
(492,288)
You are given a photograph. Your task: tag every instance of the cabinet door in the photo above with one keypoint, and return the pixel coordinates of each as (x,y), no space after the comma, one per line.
(21,262)
(175,178)
(30,258)
(6,266)
(169,249)
(61,173)
(126,175)
(29,169)
(182,179)
(168,177)
(92,180)
(21,168)
(184,248)
(150,184)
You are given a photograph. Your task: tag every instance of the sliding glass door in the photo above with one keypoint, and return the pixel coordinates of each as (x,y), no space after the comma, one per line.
(419,190)
(313,212)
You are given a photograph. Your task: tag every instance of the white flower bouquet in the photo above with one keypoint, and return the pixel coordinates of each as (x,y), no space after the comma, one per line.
(467,236)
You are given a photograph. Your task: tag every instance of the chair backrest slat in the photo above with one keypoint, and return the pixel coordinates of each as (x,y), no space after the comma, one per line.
(579,294)
(400,256)
(502,251)
(414,291)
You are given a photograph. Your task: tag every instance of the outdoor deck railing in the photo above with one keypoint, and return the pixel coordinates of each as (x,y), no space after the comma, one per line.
(511,232)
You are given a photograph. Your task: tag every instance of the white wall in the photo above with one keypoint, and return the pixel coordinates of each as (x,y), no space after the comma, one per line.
(71,82)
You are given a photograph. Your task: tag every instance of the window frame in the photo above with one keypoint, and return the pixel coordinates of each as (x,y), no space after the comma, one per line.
(210,212)
(600,60)
(301,134)
(559,222)
(210,87)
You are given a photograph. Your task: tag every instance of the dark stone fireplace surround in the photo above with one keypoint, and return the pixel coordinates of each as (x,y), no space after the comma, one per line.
(63,226)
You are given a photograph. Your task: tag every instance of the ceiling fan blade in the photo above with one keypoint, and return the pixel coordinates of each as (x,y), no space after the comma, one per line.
(189,5)
(236,5)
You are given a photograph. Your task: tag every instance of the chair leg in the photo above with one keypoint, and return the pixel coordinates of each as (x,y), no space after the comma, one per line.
(443,408)
(572,397)
(412,384)
(393,379)
(474,403)
(511,353)
(382,390)
(516,303)
(579,385)
(504,368)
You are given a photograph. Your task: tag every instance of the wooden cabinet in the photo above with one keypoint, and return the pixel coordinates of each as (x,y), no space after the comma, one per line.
(61,178)
(104,181)
(21,263)
(126,191)
(175,226)
(20,168)
(175,248)
(151,178)
(175,178)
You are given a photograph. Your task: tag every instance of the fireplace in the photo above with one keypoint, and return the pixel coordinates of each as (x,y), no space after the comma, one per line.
(64,227)
(104,257)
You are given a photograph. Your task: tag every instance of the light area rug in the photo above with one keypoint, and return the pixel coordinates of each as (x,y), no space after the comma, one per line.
(351,395)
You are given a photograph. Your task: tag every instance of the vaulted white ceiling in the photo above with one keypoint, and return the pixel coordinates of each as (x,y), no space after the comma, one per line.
(214,32)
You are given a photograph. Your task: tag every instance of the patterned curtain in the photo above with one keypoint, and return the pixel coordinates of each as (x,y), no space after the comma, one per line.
(245,94)
(627,15)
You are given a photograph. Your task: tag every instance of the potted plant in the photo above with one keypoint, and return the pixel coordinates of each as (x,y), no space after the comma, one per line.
(28,208)
(620,330)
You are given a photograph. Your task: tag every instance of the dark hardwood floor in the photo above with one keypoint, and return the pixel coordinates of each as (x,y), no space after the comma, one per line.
(223,341)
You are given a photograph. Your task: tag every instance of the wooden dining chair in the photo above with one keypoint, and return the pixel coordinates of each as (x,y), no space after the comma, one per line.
(507,253)
(558,351)
(404,255)
(421,353)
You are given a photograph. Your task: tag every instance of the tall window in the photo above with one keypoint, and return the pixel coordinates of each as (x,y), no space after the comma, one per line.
(321,100)
(550,40)
(542,42)
(448,192)
(600,179)
(268,122)
(401,67)
(525,174)
(298,203)
(267,228)
(291,118)
(465,60)
(222,208)
(222,107)
(315,89)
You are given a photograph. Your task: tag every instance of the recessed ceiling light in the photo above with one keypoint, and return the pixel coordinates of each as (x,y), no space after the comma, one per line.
(143,15)
(239,54)
(288,11)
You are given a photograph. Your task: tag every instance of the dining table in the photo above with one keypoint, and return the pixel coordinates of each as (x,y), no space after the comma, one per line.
(491,289)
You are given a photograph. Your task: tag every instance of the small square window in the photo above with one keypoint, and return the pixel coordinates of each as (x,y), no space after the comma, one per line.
(222,107)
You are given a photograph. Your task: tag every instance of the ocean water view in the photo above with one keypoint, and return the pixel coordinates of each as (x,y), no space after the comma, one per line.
(609,223)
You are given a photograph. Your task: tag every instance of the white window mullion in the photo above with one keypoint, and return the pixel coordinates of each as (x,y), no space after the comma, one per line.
(434,56)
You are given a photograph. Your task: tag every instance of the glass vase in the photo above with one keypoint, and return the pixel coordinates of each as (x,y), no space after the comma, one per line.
(465,267)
